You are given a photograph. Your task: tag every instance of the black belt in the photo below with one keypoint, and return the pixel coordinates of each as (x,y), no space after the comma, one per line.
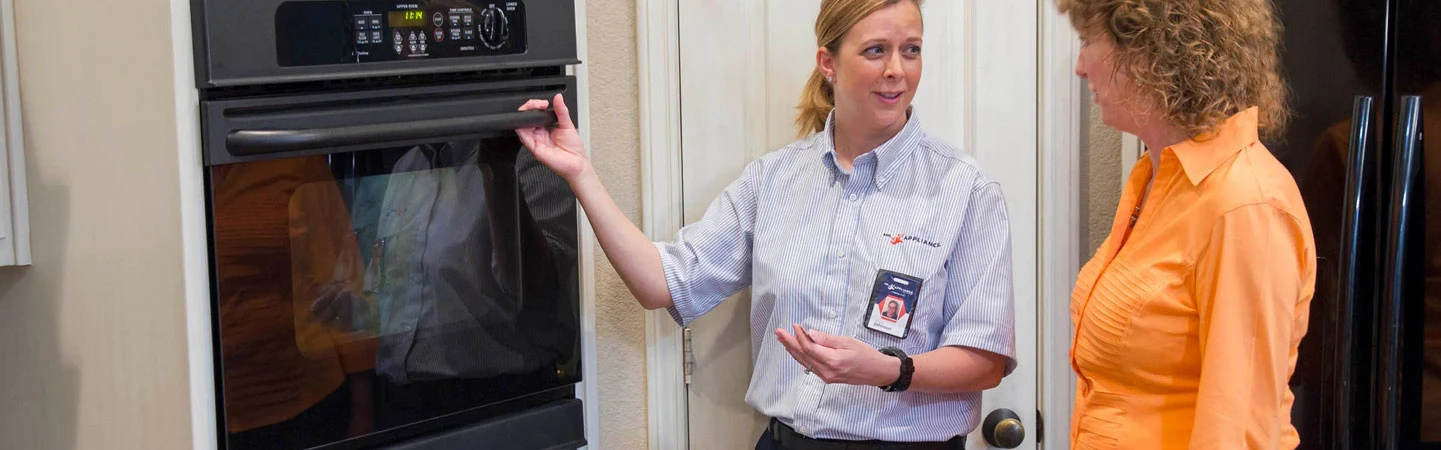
(791,440)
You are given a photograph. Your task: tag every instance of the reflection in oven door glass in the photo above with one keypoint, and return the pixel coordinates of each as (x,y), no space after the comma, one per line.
(290,380)
(366,291)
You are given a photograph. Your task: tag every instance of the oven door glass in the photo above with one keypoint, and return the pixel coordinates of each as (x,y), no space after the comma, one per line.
(381,292)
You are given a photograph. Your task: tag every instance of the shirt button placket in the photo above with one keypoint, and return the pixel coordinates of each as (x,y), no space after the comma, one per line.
(842,241)
(845,237)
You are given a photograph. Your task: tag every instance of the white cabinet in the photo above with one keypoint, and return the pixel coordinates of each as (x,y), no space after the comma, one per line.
(14,204)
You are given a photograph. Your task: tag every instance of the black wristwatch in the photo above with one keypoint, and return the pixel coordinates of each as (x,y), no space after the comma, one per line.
(907,368)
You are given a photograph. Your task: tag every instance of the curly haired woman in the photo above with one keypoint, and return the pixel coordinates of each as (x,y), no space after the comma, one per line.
(1188,317)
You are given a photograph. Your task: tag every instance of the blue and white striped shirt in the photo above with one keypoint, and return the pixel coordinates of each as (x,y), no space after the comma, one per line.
(809,238)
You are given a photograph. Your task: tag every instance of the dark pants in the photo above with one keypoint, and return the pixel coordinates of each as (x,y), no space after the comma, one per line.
(768,442)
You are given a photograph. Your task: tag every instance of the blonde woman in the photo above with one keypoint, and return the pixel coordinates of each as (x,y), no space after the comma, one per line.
(865,210)
(1189,315)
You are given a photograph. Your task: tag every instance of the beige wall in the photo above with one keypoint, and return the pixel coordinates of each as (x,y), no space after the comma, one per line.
(615,146)
(92,337)
(1101,167)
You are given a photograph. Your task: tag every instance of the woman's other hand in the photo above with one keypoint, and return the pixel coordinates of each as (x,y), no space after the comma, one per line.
(840,359)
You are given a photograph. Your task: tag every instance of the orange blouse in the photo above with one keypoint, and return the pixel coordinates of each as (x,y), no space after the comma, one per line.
(1187,334)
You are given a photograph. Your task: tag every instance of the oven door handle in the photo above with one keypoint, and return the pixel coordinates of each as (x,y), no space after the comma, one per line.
(260,142)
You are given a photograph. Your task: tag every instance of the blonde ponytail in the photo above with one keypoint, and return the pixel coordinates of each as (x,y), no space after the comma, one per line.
(817,100)
(836,18)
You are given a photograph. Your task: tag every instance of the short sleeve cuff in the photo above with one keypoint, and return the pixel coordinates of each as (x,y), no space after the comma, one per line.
(683,310)
(995,343)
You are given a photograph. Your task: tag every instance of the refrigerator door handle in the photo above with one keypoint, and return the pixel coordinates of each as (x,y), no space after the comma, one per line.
(1405,206)
(1342,315)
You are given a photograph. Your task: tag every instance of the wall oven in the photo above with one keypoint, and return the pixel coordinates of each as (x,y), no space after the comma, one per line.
(390,267)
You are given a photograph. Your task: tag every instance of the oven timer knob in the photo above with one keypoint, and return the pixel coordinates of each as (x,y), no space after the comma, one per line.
(494,28)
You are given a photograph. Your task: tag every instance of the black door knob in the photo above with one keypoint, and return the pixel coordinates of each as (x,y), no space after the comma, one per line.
(1003,429)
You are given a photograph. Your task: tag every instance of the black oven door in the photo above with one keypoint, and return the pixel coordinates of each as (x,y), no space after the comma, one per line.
(392,264)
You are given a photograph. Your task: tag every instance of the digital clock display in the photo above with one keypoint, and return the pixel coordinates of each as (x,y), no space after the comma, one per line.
(407,18)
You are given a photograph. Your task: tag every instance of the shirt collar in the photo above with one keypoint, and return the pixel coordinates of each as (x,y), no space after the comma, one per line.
(1202,154)
(888,156)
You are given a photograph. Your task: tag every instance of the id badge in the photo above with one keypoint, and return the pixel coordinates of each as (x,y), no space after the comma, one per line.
(893,302)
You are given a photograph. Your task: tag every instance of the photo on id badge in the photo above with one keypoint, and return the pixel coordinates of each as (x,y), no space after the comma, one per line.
(893,300)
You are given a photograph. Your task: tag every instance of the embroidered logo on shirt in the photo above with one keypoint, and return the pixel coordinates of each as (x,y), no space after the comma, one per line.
(898,238)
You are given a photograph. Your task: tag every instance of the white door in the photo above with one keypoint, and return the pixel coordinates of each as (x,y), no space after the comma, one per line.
(743,63)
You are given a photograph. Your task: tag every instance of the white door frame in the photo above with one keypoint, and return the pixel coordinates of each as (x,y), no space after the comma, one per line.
(204,426)
(1062,99)
(1131,149)
(662,212)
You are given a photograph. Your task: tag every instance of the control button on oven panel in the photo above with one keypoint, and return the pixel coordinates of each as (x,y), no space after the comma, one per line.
(477,28)
(367,29)
(494,28)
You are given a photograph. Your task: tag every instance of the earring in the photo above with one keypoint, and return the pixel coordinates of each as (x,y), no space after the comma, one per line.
(831,79)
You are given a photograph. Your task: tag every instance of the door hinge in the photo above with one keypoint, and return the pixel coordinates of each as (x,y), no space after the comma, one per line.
(1040,427)
(689,355)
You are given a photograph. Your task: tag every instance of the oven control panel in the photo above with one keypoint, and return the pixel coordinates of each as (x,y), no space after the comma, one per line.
(379,31)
